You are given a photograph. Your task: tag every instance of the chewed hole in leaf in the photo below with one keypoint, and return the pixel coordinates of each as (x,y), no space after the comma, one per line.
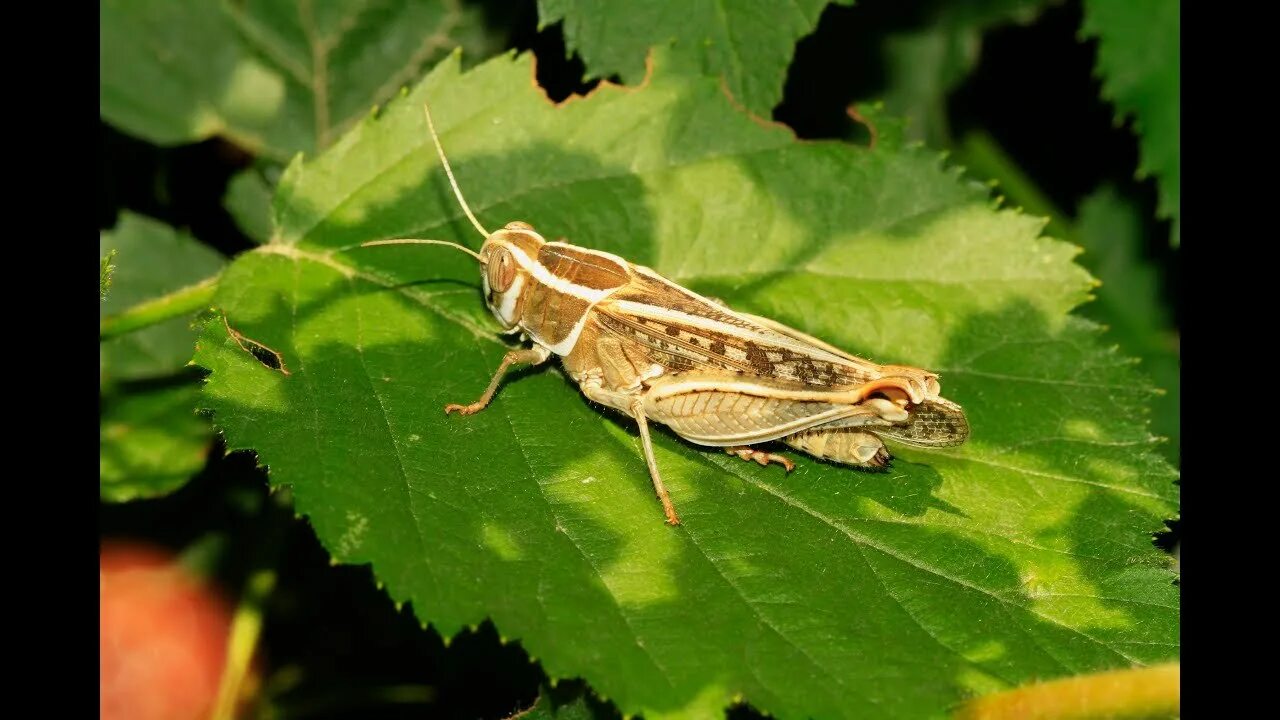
(264,354)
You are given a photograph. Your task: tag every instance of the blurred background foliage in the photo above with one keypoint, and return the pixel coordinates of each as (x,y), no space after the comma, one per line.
(1069,110)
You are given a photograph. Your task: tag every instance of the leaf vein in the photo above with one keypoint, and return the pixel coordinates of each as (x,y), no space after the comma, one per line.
(1046,381)
(1040,473)
(622,613)
(1129,601)
(857,537)
(898,601)
(395,446)
(348,271)
(254,37)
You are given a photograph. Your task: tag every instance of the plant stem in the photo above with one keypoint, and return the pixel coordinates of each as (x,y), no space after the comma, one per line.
(246,627)
(1139,692)
(150,312)
(984,158)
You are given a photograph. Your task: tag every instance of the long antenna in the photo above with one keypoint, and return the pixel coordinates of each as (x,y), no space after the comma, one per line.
(449,171)
(415,241)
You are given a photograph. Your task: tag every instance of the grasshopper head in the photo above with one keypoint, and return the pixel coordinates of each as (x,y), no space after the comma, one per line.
(509,257)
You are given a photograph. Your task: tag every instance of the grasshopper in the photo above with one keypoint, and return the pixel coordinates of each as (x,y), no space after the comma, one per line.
(652,350)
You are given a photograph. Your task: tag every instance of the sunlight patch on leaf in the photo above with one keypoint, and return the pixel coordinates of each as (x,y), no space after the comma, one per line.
(823,592)
(276,76)
(151,440)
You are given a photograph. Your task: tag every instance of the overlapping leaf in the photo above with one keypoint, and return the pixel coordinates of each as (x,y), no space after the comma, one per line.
(248,200)
(925,62)
(151,440)
(151,259)
(749,43)
(827,592)
(1139,59)
(275,76)
(1109,228)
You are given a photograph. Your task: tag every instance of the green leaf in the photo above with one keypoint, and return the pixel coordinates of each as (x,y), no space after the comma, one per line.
(1130,300)
(104,281)
(983,157)
(274,76)
(749,43)
(248,199)
(152,259)
(924,63)
(151,441)
(1139,59)
(1025,553)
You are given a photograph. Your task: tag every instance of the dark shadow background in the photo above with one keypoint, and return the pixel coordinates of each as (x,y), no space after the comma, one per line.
(356,638)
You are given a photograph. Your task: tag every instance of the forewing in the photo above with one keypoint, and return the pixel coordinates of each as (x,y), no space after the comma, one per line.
(684,331)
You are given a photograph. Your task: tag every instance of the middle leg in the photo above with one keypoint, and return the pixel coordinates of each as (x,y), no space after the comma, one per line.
(637,411)
(632,404)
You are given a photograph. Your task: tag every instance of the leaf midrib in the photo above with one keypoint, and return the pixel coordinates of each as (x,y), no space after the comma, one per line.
(315,79)
(424,300)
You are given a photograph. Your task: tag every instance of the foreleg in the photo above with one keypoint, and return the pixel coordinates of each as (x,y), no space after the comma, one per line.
(535,355)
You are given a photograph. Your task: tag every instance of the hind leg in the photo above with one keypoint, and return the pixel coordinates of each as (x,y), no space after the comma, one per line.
(843,445)
(760,456)
(637,411)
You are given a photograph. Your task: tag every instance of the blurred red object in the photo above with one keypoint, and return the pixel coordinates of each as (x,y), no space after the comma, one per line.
(163,636)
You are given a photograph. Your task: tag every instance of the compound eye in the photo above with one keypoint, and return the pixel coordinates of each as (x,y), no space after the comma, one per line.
(502,270)
(518,225)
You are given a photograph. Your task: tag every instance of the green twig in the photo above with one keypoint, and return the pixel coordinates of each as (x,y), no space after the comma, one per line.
(242,644)
(150,312)
(246,626)
(275,522)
